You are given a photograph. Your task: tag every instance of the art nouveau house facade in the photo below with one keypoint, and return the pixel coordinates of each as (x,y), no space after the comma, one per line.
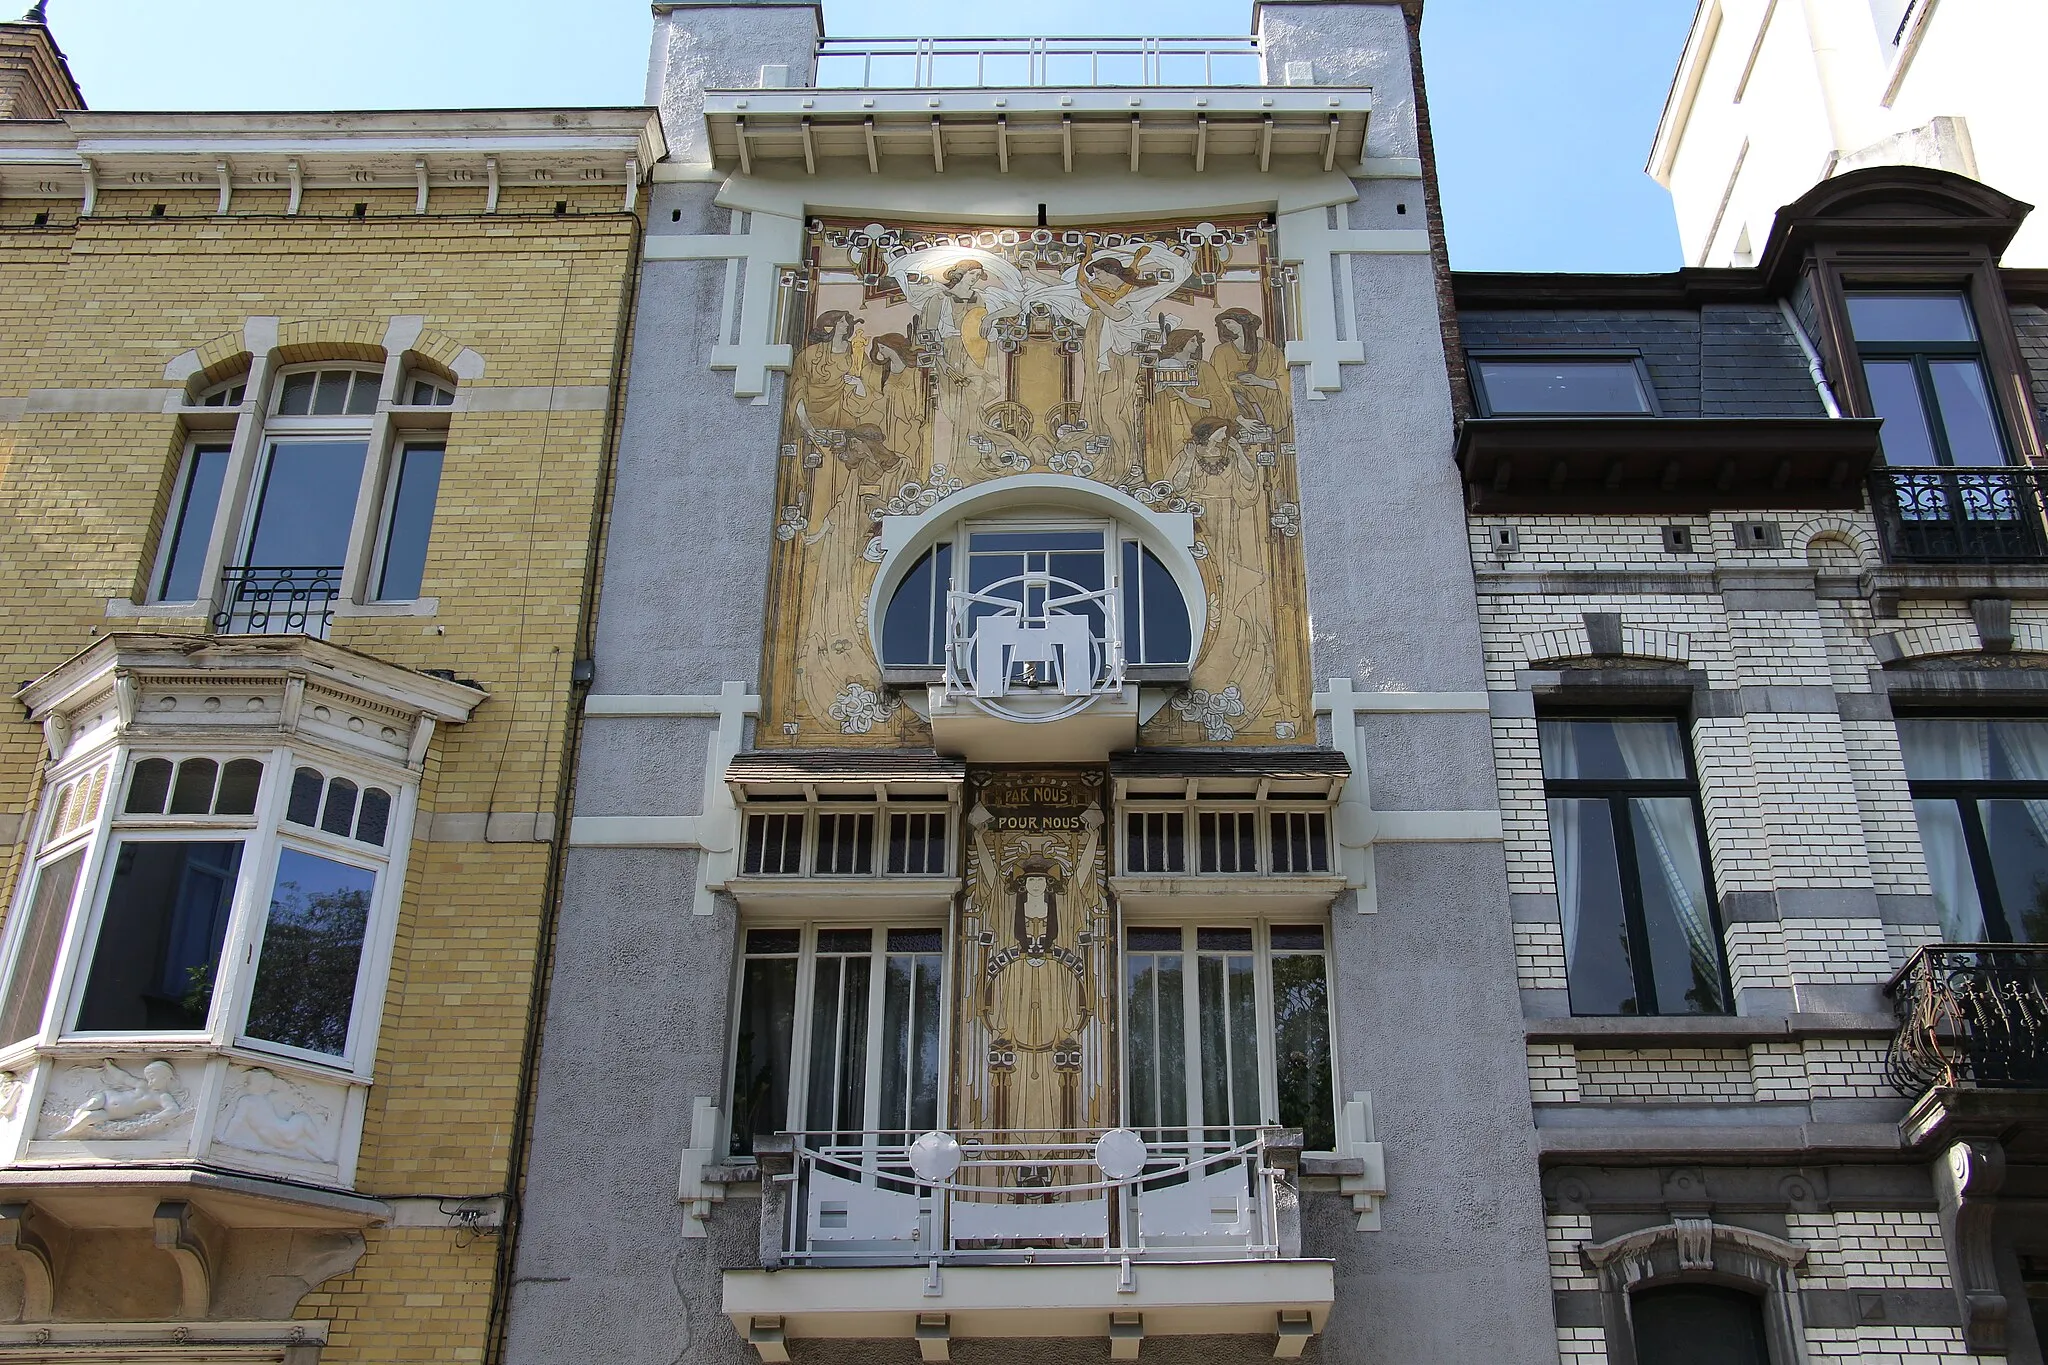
(1759,555)
(304,422)
(1055,944)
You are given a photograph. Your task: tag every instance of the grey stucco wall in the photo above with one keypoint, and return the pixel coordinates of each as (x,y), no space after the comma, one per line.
(1427,1014)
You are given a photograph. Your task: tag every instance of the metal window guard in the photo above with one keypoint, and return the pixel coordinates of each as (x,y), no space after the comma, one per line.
(266,600)
(853,1199)
(985,653)
(855,63)
(1970,1014)
(1962,514)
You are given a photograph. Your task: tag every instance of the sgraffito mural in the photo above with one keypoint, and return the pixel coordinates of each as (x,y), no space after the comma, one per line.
(1036,956)
(1149,358)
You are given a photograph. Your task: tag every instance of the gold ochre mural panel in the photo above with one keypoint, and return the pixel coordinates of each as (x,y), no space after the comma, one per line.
(1149,358)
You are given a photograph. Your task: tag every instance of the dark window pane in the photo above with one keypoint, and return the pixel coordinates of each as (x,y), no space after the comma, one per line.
(194,793)
(1910,317)
(28,987)
(375,819)
(1157,1018)
(1296,936)
(149,786)
(760,1067)
(1895,396)
(1152,940)
(915,620)
(910,1035)
(191,523)
(1301,1046)
(774,940)
(1562,386)
(1685,950)
(917,941)
(309,499)
(296,398)
(239,782)
(305,988)
(1223,940)
(1951,870)
(846,844)
(412,518)
(303,808)
(845,941)
(1966,415)
(158,947)
(1618,749)
(839,1043)
(774,844)
(1596,950)
(1698,1324)
(332,395)
(1167,636)
(362,398)
(2016,833)
(339,816)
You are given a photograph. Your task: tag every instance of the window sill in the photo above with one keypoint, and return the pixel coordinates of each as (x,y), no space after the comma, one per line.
(1191,896)
(851,900)
(1681,1029)
(121,609)
(421,606)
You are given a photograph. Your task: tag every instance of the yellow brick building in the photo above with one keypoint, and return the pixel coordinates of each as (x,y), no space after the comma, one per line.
(305,430)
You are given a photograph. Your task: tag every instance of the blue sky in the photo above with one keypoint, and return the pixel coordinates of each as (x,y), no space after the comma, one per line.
(1543,109)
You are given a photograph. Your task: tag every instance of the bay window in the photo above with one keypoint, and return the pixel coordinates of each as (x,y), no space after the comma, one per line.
(234,897)
(1641,934)
(1980,795)
(1226,1030)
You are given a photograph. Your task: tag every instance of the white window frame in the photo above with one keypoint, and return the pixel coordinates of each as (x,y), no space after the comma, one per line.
(387,507)
(180,488)
(1190,810)
(880,807)
(262,834)
(802,1019)
(259,428)
(1261,926)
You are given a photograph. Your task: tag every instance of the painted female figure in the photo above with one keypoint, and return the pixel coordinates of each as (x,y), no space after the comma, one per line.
(901,401)
(825,378)
(834,650)
(1255,374)
(1237,648)
(1185,390)
(1120,287)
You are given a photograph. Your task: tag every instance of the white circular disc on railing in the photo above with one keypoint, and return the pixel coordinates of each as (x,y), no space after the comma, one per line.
(935,1156)
(1121,1154)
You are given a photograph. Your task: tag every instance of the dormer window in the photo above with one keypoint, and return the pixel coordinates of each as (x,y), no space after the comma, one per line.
(1924,365)
(1562,386)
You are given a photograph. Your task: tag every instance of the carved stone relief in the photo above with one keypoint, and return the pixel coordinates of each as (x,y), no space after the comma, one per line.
(262,1112)
(109,1102)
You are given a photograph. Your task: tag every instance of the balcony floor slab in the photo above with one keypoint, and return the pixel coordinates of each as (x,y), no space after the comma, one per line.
(1211,1298)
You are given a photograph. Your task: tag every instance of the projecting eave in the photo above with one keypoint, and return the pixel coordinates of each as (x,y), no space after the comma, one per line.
(1195,125)
(1685,89)
(390,149)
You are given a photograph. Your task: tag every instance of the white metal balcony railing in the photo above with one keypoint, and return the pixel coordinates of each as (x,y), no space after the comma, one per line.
(887,1198)
(1032,635)
(966,63)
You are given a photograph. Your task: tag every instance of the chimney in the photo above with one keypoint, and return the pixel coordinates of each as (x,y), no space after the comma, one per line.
(35,82)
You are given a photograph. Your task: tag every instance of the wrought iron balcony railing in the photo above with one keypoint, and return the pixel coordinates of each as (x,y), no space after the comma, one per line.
(969,63)
(894,1198)
(1959,514)
(1970,1014)
(267,600)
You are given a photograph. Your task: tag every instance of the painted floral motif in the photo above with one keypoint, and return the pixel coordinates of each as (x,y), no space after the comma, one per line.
(790,524)
(913,498)
(1287,519)
(1213,711)
(858,710)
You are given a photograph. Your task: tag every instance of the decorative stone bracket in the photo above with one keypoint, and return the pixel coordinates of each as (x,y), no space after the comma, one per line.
(1355,1140)
(696,1193)
(1967,1179)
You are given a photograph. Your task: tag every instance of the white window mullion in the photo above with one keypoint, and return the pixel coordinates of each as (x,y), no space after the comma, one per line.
(871,1097)
(245,453)
(1191,1029)
(1269,1055)
(251,910)
(796,1109)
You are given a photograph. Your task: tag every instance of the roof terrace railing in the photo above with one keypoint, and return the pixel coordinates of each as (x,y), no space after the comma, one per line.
(966,63)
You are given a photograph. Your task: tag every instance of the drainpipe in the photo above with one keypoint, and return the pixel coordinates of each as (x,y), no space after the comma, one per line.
(1813,367)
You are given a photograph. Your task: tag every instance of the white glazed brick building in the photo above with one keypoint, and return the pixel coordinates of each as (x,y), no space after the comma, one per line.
(1729,633)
